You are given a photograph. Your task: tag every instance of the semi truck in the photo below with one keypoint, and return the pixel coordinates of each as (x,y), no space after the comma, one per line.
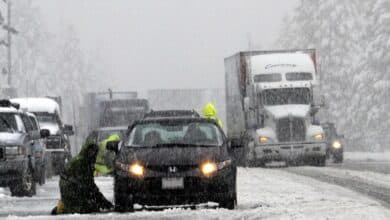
(270,109)
(111,109)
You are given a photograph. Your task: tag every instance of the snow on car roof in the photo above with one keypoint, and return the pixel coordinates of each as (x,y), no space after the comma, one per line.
(9,110)
(38,104)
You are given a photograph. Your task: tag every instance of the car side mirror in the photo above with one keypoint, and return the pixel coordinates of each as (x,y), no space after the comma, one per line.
(68,130)
(44,133)
(113,146)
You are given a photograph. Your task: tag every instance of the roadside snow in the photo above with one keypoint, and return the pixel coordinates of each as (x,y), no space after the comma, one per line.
(262,194)
(373,178)
(367,156)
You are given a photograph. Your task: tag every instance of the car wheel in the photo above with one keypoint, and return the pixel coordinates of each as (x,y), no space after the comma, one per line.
(42,177)
(229,203)
(26,186)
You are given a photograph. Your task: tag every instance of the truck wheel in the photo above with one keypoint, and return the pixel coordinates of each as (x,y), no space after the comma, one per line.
(338,158)
(123,204)
(26,186)
(321,161)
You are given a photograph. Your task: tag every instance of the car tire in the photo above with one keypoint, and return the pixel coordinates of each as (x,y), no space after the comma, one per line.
(228,203)
(123,200)
(26,186)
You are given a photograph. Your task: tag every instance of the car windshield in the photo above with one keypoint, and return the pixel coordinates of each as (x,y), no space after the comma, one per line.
(46,117)
(7,122)
(169,132)
(286,96)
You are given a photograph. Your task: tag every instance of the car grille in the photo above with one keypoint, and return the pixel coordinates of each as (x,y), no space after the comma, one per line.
(291,130)
(53,143)
(2,153)
(172,168)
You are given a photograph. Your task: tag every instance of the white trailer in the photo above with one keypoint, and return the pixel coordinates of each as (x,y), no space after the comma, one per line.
(270,108)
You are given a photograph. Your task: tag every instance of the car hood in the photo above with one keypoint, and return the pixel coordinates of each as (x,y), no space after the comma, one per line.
(160,156)
(52,127)
(282,111)
(11,138)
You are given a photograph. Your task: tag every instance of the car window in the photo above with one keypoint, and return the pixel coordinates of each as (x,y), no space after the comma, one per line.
(27,123)
(154,133)
(33,123)
(20,124)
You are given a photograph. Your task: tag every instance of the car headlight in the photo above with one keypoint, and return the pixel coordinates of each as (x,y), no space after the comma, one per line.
(209,168)
(336,144)
(263,139)
(319,137)
(15,150)
(137,169)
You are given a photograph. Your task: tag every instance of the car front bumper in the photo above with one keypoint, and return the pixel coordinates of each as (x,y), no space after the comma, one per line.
(11,170)
(196,189)
(289,151)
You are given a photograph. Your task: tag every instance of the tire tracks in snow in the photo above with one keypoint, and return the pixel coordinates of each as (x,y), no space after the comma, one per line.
(378,192)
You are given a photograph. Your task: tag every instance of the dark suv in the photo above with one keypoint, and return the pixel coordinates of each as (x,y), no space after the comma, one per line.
(17,153)
(173,161)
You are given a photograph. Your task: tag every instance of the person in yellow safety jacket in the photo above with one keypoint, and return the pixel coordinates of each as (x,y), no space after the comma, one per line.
(103,166)
(209,111)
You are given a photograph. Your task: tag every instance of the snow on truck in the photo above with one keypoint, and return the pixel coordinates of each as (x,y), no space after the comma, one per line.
(270,108)
(48,112)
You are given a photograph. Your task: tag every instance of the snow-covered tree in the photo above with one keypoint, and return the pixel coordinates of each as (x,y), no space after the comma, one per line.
(351,39)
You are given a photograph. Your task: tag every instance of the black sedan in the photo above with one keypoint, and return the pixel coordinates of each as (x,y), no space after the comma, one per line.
(173,161)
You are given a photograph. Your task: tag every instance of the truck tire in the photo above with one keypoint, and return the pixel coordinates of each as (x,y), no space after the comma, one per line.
(42,176)
(26,186)
(338,158)
(321,161)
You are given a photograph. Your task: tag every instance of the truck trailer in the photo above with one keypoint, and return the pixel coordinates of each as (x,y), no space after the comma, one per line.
(270,109)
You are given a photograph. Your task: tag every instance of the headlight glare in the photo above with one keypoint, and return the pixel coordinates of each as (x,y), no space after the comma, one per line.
(263,139)
(319,137)
(208,168)
(336,144)
(136,169)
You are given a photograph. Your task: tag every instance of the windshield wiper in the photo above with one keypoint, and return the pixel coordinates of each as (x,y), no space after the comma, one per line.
(174,145)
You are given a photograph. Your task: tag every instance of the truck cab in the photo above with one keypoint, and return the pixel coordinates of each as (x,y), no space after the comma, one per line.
(278,107)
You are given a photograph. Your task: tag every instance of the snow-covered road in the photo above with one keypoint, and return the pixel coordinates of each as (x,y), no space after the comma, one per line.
(262,194)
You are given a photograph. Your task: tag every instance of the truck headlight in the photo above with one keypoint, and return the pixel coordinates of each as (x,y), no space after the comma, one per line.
(263,139)
(319,137)
(137,169)
(15,150)
(336,144)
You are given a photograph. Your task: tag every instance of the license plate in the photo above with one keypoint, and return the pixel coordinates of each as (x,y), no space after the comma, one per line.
(172,183)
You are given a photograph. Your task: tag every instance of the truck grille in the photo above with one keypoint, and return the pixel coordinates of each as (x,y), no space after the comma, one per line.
(53,143)
(2,153)
(291,130)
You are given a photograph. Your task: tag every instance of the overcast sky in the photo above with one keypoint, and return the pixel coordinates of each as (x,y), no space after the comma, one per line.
(168,43)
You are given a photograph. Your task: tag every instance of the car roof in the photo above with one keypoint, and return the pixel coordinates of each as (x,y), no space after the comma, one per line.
(171,113)
(112,128)
(175,119)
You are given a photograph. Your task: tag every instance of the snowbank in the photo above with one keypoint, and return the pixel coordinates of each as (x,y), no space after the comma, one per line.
(262,194)
(367,156)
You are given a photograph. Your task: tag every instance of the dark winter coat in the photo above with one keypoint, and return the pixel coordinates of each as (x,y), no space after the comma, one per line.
(79,192)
